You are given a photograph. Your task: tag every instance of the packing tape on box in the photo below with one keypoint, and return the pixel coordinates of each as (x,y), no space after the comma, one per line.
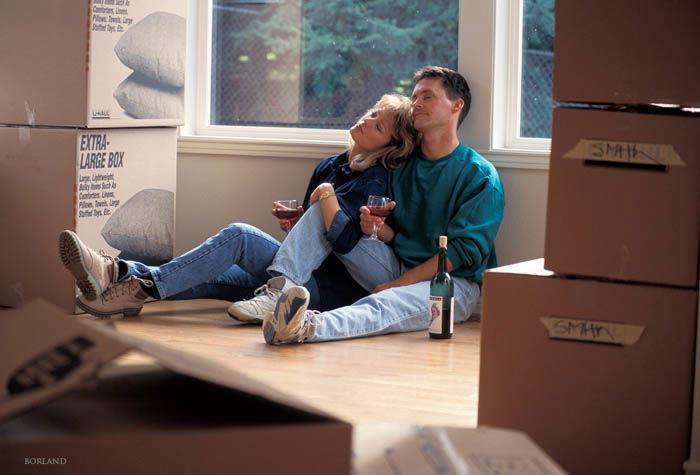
(31,115)
(23,135)
(439,449)
(594,331)
(625,152)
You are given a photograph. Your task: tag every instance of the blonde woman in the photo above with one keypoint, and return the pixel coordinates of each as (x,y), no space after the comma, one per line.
(240,258)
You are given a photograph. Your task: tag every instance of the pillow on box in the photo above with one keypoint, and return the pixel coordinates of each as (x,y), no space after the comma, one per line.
(143,98)
(142,228)
(155,47)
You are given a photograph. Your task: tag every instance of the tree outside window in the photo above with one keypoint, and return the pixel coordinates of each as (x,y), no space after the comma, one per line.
(321,63)
(537,61)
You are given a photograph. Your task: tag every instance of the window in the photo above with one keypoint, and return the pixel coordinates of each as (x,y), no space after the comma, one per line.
(319,64)
(536,71)
(526,63)
(287,77)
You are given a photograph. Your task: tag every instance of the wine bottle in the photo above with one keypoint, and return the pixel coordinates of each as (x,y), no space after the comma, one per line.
(441,305)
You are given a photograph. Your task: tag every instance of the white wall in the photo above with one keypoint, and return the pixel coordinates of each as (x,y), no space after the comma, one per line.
(215,190)
(521,236)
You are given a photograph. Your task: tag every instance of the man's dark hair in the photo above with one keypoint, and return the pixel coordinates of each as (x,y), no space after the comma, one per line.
(456,86)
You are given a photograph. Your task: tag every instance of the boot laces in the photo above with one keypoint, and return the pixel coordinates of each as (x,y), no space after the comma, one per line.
(264,291)
(311,319)
(126,287)
(106,257)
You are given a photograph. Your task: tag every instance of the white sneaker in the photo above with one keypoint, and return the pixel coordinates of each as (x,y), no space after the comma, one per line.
(124,298)
(263,304)
(291,322)
(93,271)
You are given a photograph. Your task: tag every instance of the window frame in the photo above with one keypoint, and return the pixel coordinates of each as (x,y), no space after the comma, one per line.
(509,64)
(489,55)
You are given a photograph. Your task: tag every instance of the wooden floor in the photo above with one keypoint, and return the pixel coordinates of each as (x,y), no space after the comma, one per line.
(404,378)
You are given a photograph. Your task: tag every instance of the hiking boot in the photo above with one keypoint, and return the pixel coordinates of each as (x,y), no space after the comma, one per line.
(93,271)
(263,304)
(124,298)
(291,322)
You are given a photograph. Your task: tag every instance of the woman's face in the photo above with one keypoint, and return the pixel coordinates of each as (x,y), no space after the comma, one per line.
(372,132)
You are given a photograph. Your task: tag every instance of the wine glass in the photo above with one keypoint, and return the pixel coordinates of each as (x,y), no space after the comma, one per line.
(286,211)
(378,206)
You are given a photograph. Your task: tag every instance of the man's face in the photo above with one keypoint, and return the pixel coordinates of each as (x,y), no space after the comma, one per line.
(431,107)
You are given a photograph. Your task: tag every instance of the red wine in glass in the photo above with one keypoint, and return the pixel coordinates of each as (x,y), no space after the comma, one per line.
(379,211)
(378,206)
(286,213)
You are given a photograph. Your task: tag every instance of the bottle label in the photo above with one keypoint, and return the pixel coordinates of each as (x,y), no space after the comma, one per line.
(436,313)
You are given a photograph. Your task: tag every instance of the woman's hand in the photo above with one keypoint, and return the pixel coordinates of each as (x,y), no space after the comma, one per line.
(286,225)
(320,189)
(367,221)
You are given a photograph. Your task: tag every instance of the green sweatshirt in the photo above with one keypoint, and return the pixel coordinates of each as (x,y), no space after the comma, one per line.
(459,195)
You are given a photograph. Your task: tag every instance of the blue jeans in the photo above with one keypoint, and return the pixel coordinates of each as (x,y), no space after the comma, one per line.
(240,258)
(399,309)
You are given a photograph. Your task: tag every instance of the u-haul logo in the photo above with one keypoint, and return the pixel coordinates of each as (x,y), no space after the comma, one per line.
(50,366)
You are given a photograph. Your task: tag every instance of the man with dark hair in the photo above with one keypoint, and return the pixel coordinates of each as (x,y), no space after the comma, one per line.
(455,86)
(445,188)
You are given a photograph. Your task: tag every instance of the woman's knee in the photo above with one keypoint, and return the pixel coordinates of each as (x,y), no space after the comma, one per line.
(234,229)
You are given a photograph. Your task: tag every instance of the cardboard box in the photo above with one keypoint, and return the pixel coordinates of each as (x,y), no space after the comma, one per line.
(114,187)
(60,411)
(627,52)
(692,465)
(388,449)
(94,63)
(599,374)
(624,196)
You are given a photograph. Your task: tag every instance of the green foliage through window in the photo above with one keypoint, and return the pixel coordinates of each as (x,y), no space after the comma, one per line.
(322,63)
(537,64)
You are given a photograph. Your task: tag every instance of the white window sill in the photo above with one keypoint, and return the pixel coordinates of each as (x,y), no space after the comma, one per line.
(298,148)
(514,158)
(249,147)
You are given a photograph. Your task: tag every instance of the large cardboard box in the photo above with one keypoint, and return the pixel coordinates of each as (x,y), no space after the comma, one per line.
(390,449)
(92,63)
(63,410)
(627,52)
(692,466)
(114,187)
(624,196)
(599,374)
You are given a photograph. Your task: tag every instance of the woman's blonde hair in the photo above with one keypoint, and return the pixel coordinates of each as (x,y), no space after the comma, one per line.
(397,109)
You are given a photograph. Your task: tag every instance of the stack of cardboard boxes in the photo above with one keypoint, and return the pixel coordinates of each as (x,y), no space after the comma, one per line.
(80,82)
(594,357)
